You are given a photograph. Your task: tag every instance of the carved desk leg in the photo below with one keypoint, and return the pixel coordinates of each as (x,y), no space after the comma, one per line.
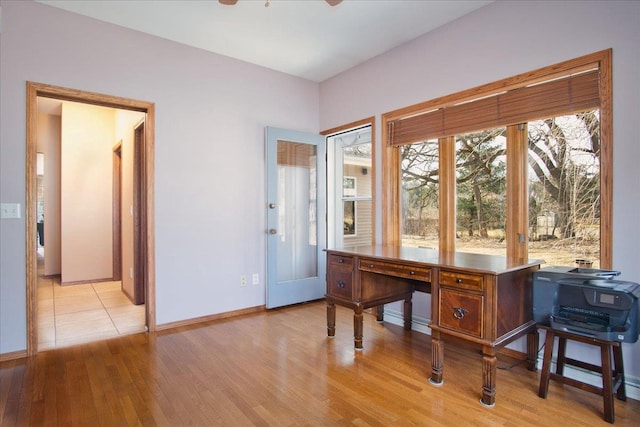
(437,358)
(331,319)
(357,326)
(408,312)
(533,341)
(489,365)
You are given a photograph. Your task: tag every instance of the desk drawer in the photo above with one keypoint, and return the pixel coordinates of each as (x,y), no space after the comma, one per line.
(340,260)
(340,283)
(398,270)
(461,280)
(461,311)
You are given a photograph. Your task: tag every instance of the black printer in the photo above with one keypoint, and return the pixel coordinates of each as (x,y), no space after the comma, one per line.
(587,302)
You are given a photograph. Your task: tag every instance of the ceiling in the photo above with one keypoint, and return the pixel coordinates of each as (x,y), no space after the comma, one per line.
(304,38)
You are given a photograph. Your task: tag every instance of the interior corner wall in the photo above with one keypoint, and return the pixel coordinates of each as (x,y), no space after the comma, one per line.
(49,145)
(503,39)
(88,137)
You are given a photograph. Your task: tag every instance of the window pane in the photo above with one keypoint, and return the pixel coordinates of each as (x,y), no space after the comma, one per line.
(297,228)
(481,171)
(420,167)
(564,189)
(349,228)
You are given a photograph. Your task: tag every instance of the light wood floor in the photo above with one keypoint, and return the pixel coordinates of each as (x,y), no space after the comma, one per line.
(278,368)
(74,314)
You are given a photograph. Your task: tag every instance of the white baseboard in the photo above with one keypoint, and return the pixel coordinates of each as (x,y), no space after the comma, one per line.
(421,324)
(418,324)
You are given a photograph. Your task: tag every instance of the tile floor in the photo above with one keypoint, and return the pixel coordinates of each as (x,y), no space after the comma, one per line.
(74,314)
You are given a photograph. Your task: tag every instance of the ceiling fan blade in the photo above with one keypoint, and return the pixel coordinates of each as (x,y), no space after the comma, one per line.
(333,2)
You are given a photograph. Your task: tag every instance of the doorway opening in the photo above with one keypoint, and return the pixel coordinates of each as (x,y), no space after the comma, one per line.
(146,176)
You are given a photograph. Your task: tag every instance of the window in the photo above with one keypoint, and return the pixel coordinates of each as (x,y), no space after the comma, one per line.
(420,165)
(481,177)
(564,188)
(350,186)
(349,191)
(349,218)
(486,138)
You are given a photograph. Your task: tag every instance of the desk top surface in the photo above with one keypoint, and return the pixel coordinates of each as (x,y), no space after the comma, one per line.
(481,263)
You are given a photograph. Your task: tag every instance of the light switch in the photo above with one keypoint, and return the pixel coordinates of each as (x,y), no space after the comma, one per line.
(9,210)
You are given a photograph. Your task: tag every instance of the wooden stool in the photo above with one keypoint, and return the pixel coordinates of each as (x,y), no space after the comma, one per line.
(612,373)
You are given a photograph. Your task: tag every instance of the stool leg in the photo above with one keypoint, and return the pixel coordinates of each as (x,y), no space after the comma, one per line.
(562,347)
(533,339)
(546,365)
(607,387)
(619,369)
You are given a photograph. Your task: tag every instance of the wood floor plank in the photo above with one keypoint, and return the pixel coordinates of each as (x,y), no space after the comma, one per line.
(279,368)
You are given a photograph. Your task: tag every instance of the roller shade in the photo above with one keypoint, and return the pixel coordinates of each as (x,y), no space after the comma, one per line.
(549,99)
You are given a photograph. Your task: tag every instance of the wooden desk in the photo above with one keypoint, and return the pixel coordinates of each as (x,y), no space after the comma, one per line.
(483,299)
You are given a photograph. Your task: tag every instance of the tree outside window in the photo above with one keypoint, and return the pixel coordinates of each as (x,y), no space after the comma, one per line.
(564,190)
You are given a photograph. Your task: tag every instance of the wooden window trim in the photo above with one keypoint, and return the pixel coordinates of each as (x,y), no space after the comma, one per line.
(447,192)
(391,179)
(517,221)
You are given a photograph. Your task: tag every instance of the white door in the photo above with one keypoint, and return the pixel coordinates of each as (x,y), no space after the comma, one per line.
(296,217)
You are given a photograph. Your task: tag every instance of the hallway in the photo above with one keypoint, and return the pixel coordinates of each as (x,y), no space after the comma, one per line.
(69,315)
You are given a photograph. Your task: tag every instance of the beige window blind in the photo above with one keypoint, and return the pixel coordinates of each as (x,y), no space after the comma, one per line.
(548,99)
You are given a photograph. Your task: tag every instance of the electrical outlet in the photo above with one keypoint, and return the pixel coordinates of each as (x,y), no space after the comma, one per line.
(243,280)
(256,278)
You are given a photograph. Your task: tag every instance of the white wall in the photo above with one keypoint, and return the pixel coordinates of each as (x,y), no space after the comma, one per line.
(88,137)
(500,40)
(49,144)
(211,112)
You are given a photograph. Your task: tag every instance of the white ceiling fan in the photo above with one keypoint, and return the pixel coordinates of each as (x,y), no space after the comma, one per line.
(232,2)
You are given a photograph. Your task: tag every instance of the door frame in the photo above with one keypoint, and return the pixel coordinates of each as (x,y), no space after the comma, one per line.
(369,121)
(140,271)
(116,209)
(34,90)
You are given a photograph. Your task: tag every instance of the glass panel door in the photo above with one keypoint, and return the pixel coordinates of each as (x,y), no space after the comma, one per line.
(295,217)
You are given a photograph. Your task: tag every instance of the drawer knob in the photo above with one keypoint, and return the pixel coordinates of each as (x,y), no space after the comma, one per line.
(341,283)
(370,265)
(340,261)
(412,273)
(458,280)
(459,312)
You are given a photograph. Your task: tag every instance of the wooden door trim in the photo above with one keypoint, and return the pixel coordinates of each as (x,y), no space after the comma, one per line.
(34,90)
(117,211)
(140,218)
